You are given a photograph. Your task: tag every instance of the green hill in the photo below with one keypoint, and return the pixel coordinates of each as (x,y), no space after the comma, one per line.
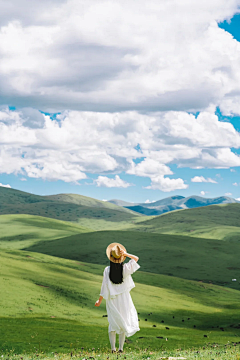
(213,221)
(18,231)
(85,201)
(10,196)
(88,212)
(47,304)
(186,257)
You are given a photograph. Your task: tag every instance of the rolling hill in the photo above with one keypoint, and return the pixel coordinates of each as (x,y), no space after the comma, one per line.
(18,231)
(88,212)
(214,221)
(47,304)
(186,257)
(51,273)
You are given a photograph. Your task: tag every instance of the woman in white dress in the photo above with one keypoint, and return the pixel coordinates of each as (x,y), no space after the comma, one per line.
(116,285)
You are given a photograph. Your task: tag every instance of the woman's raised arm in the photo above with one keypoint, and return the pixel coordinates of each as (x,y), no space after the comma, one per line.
(134,257)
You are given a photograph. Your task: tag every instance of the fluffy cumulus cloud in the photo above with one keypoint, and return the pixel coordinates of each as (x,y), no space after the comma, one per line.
(77,143)
(202,179)
(114,55)
(132,78)
(166,184)
(228,194)
(107,182)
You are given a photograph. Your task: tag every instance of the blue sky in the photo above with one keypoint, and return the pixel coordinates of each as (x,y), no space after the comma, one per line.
(116,111)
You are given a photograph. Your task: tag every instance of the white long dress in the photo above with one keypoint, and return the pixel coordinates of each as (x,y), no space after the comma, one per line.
(122,315)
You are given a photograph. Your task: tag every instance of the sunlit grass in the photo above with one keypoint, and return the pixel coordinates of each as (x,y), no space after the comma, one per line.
(208,352)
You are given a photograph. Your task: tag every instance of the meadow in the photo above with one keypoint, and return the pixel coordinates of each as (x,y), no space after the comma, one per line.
(206,260)
(220,222)
(48,305)
(51,274)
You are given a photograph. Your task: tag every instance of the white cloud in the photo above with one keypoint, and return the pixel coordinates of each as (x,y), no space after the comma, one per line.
(235,184)
(127,83)
(238,199)
(230,106)
(23,179)
(7,186)
(149,167)
(232,170)
(203,192)
(156,171)
(202,179)
(104,181)
(149,201)
(76,143)
(166,184)
(83,55)
(228,194)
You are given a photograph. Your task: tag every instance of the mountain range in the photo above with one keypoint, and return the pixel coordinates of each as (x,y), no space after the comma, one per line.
(171,203)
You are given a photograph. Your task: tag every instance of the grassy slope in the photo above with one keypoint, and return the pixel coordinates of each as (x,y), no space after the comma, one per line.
(36,285)
(182,256)
(85,201)
(88,212)
(16,197)
(48,302)
(18,231)
(214,221)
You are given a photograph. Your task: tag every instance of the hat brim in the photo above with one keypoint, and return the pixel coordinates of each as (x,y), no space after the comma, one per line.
(108,252)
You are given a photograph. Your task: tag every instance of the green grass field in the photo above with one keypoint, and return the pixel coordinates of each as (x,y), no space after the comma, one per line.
(18,231)
(186,257)
(51,274)
(230,351)
(48,303)
(212,222)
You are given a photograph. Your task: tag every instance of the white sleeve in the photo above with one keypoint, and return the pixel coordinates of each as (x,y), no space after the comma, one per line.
(104,289)
(130,267)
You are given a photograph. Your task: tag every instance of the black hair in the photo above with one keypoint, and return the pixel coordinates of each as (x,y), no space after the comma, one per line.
(116,272)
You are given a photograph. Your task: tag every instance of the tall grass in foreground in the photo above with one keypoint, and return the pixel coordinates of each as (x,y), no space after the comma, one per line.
(210,352)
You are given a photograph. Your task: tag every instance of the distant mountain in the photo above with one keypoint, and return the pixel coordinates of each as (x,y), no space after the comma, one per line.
(171,200)
(150,211)
(176,202)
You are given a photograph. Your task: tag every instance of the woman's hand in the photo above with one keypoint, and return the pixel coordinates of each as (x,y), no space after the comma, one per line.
(123,252)
(98,303)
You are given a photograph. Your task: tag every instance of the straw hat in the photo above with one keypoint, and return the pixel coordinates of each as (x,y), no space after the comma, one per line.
(113,252)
